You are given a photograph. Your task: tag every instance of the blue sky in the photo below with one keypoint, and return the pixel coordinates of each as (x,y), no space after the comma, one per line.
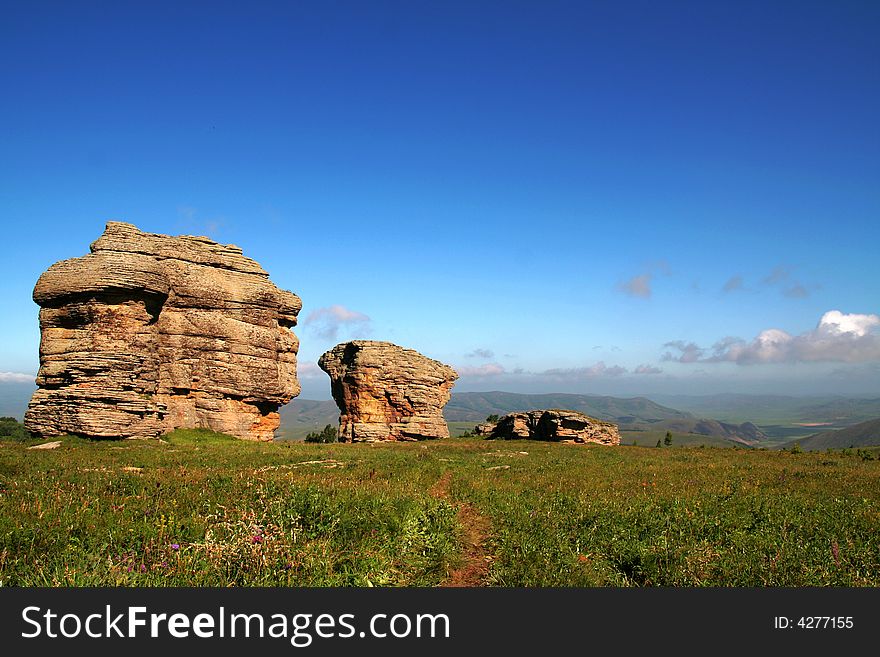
(549,196)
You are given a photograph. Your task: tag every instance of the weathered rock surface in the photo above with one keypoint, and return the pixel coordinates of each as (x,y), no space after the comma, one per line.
(149,333)
(386,392)
(55,444)
(555,425)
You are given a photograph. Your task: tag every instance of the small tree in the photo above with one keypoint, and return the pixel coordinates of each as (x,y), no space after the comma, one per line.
(668,439)
(492,419)
(327,435)
(12,429)
(658,443)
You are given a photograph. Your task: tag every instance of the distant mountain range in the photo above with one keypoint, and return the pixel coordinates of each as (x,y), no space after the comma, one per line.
(772,409)
(632,414)
(864,434)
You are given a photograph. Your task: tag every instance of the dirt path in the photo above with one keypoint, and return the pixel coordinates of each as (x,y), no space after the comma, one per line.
(475,527)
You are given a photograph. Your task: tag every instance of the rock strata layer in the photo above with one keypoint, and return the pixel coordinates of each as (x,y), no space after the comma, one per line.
(386,392)
(554,425)
(149,333)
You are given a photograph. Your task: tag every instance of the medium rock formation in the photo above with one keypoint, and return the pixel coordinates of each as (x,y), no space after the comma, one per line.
(149,333)
(386,392)
(555,425)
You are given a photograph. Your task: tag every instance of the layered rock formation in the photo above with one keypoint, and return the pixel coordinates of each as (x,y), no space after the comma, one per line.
(555,425)
(149,333)
(386,392)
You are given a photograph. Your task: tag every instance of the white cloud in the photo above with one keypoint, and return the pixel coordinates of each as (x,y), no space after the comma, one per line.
(796,291)
(733,283)
(488,369)
(792,288)
(480,353)
(689,352)
(560,374)
(647,369)
(587,372)
(638,286)
(778,275)
(326,322)
(309,370)
(641,285)
(16,377)
(838,337)
(838,323)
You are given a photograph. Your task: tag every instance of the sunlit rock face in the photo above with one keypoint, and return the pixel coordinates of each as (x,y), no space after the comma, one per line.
(148,333)
(553,425)
(386,392)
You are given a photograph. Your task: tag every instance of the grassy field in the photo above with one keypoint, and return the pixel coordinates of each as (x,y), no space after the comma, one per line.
(203,509)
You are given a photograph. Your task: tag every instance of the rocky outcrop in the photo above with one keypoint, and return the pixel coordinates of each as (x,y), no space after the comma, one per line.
(149,333)
(554,425)
(386,392)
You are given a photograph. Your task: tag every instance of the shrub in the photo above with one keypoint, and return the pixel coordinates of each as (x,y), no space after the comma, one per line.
(327,435)
(12,429)
(865,454)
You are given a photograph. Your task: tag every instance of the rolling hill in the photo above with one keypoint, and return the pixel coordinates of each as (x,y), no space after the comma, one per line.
(746,434)
(864,434)
(772,409)
(476,406)
(301,416)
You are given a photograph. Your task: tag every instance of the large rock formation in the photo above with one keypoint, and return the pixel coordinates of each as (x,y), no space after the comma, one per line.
(555,425)
(149,333)
(386,392)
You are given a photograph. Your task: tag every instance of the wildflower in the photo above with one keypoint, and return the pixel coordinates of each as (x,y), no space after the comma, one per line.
(175,546)
(257,539)
(143,568)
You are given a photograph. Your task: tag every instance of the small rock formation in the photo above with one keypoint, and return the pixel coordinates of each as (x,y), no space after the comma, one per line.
(555,425)
(485,429)
(149,333)
(386,392)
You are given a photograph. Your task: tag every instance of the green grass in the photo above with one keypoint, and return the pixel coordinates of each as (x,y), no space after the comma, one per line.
(204,509)
(457,429)
(650,438)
